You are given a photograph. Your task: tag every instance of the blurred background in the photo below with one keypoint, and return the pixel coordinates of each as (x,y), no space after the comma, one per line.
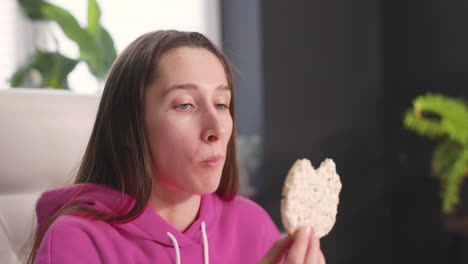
(314,79)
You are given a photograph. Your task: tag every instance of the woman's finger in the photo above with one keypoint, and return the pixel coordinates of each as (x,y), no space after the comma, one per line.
(277,251)
(314,253)
(322,258)
(297,252)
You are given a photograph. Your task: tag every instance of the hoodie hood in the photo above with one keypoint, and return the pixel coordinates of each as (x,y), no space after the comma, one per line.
(147,225)
(100,198)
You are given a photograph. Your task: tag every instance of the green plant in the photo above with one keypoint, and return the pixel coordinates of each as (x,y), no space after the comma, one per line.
(94,41)
(445,120)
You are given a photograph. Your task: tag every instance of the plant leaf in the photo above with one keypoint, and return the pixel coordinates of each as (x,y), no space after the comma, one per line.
(32,9)
(424,127)
(69,26)
(444,155)
(95,43)
(18,79)
(107,49)
(93,61)
(453,113)
(89,50)
(62,66)
(105,45)
(53,68)
(94,15)
(454,177)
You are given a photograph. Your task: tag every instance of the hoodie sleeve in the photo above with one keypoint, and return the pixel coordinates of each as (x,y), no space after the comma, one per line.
(270,233)
(68,240)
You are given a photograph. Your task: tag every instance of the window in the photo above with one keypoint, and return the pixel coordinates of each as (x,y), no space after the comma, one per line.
(12,44)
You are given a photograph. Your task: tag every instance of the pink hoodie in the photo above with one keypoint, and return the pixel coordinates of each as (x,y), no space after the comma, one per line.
(238,231)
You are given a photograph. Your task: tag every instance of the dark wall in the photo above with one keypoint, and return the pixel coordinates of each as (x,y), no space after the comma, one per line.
(425,47)
(242,44)
(242,36)
(324,98)
(337,78)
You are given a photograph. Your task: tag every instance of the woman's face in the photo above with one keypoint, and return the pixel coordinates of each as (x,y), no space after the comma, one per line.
(188,121)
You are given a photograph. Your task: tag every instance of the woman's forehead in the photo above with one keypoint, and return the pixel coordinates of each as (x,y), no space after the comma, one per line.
(188,65)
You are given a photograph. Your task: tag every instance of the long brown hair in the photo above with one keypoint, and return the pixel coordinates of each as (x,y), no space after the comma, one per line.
(118,154)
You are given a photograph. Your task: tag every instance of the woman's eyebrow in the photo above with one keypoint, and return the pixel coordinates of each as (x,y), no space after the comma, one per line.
(191,86)
(223,88)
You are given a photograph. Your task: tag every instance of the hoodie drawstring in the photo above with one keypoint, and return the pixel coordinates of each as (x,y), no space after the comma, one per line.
(176,247)
(206,259)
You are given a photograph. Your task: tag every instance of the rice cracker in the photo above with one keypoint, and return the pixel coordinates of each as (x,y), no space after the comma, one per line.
(311,197)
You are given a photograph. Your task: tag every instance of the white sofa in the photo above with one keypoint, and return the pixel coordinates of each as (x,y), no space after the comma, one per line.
(43,134)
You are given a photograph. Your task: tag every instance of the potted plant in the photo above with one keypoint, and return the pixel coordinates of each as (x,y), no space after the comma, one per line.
(445,120)
(94,41)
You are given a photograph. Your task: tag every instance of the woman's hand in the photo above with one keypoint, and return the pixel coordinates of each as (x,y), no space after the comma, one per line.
(303,248)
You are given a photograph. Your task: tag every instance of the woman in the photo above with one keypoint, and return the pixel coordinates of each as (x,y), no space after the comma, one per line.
(158,180)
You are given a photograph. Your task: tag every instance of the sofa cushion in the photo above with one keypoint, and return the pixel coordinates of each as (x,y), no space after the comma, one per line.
(42,138)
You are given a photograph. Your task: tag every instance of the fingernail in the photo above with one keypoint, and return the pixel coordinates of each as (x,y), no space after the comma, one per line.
(308,230)
(316,234)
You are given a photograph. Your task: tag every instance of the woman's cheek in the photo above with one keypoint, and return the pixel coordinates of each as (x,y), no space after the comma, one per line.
(229,127)
(176,134)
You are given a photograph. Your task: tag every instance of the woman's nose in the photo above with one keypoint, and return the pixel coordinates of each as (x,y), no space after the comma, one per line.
(213,129)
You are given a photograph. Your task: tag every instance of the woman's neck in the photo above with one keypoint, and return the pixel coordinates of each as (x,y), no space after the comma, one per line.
(178,208)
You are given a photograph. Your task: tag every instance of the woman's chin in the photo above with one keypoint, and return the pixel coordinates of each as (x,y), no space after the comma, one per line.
(211,190)
(207,188)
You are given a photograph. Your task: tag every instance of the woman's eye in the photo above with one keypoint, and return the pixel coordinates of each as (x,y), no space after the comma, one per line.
(221,106)
(184,106)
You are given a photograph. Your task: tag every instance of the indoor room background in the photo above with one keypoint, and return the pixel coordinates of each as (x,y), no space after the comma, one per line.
(314,79)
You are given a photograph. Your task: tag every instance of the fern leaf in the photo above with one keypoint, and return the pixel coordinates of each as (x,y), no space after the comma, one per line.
(453,115)
(424,127)
(454,177)
(444,155)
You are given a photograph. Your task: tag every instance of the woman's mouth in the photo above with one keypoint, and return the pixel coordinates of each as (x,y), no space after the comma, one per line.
(212,162)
